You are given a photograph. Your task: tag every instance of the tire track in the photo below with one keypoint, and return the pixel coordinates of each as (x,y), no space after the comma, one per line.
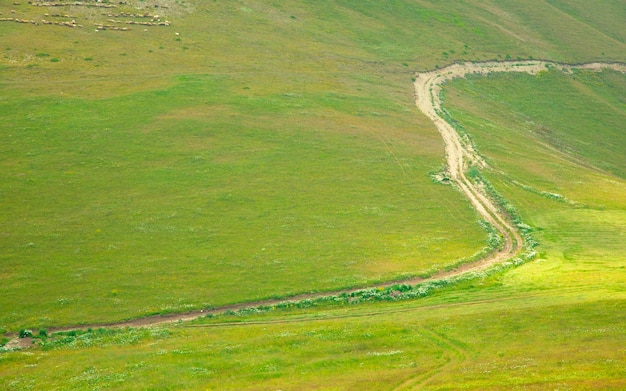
(455,357)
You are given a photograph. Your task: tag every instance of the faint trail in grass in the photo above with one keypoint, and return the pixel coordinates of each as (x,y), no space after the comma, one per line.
(177,318)
(392,150)
(456,356)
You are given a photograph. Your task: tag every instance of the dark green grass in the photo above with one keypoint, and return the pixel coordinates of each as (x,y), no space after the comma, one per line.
(579,115)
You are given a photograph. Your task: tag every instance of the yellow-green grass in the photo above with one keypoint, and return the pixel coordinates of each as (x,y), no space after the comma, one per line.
(520,341)
(200,195)
(129,189)
(556,322)
(556,149)
(290,159)
(323,43)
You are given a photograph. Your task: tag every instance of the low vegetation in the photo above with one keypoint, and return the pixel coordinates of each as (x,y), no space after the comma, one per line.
(250,150)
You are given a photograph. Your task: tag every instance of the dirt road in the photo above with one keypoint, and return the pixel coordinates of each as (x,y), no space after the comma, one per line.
(460,154)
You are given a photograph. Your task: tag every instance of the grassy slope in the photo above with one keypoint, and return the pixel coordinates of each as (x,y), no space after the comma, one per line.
(563,140)
(524,329)
(331,162)
(143,206)
(573,297)
(576,155)
(262,179)
(494,337)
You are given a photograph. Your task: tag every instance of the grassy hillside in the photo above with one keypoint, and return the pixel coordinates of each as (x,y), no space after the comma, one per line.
(555,322)
(244,151)
(200,195)
(250,150)
(494,336)
(558,156)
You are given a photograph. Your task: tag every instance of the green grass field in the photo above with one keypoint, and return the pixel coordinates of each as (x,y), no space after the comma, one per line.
(570,183)
(134,205)
(253,150)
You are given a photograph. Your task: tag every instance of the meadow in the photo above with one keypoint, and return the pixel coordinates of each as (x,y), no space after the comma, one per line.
(568,184)
(214,188)
(487,335)
(130,206)
(253,150)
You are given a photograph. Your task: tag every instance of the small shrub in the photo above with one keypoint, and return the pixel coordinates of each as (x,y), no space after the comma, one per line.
(474,174)
(25,333)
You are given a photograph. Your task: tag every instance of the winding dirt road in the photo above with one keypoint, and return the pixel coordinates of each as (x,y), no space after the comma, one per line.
(459,155)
